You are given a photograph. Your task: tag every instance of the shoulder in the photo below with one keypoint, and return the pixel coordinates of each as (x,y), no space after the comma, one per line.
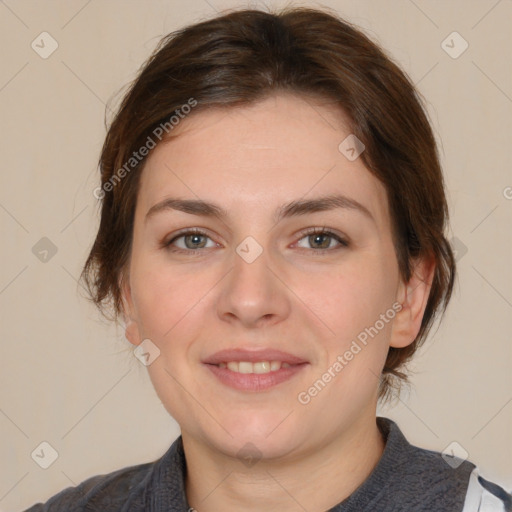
(118,488)
(157,485)
(446,478)
(419,479)
(445,475)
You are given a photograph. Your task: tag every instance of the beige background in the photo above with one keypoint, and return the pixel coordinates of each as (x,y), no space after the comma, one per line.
(70,379)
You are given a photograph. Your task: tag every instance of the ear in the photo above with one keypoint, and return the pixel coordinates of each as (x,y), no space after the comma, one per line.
(413,296)
(132,331)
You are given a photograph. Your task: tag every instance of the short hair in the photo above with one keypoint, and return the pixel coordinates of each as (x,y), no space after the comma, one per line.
(243,56)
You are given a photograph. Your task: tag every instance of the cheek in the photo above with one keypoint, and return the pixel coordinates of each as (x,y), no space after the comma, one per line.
(168,300)
(347,298)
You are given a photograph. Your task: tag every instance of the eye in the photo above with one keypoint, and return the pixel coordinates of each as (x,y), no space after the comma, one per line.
(322,238)
(191,240)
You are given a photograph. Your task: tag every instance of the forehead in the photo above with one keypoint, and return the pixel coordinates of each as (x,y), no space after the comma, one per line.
(258,157)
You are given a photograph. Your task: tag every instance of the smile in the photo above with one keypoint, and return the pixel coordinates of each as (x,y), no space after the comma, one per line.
(253,369)
(258,367)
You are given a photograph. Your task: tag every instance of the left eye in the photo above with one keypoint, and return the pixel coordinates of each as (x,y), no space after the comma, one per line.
(322,239)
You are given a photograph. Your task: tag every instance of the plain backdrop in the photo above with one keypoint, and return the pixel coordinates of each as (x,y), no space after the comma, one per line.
(69,379)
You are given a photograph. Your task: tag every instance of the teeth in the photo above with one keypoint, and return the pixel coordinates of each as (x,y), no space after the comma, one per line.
(263,367)
(244,367)
(275,365)
(233,366)
(258,367)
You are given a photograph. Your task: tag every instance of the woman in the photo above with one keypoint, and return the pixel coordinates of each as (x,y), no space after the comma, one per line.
(272,234)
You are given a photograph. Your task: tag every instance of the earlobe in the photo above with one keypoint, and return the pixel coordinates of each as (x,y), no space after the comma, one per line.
(414,297)
(132,333)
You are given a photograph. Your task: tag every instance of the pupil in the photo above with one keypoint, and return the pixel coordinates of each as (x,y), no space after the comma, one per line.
(195,239)
(318,238)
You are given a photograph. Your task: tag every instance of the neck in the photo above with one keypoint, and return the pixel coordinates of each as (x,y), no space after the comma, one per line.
(334,470)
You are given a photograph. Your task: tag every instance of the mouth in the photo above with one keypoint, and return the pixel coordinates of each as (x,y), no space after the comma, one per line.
(254,370)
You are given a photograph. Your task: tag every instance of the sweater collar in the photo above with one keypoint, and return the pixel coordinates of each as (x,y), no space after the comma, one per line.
(167,488)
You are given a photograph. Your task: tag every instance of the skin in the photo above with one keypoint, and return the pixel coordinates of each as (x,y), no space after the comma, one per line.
(295,297)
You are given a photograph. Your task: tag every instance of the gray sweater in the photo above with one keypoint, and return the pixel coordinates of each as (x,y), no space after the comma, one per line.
(406,478)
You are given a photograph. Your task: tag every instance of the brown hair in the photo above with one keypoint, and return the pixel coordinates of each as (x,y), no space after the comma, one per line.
(243,56)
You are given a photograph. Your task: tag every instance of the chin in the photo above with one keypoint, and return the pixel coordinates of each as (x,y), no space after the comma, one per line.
(265,434)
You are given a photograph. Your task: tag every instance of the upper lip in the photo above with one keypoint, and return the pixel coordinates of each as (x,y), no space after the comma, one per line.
(253,356)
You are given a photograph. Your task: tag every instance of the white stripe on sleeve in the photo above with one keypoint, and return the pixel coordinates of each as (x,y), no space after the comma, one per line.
(479,499)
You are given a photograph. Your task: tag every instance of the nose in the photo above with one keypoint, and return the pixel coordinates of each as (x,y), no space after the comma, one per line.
(254,292)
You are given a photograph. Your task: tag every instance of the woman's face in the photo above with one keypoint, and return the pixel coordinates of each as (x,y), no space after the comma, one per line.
(252,313)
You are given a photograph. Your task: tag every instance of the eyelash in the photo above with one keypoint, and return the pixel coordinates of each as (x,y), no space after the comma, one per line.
(308,232)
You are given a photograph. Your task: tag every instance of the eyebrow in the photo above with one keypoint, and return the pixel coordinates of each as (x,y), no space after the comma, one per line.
(292,209)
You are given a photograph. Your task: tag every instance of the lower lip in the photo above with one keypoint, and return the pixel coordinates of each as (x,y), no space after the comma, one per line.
(255,381)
